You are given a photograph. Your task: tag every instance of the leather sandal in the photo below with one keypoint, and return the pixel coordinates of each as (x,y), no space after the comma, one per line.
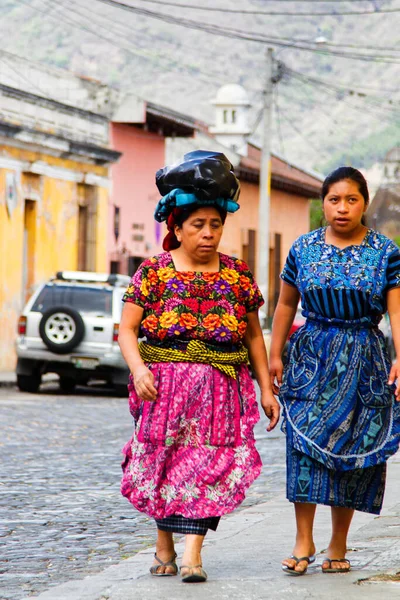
(192,577)
(330,569)
(291,570)
(168,563)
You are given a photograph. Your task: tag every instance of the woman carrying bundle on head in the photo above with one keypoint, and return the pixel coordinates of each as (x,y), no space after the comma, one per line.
(193,455)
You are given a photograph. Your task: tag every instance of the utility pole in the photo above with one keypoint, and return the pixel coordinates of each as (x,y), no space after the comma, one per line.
(265,190)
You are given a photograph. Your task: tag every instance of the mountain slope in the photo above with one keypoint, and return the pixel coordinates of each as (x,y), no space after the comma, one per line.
(314,124)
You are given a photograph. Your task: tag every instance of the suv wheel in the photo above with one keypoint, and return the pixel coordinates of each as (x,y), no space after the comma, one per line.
(67,384)
(29,383)
(61,328)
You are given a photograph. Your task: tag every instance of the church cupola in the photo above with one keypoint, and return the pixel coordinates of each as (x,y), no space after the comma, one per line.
(231,117)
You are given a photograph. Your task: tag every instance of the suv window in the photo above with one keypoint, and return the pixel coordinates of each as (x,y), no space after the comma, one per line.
(83,299)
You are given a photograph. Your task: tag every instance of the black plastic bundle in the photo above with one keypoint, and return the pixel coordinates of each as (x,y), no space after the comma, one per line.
(208,175)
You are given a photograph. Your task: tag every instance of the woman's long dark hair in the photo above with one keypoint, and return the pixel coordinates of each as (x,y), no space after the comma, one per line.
(342,173)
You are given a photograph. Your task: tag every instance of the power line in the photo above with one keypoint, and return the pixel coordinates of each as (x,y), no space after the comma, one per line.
(336,13)
(340,88)
(317,151)
(310,80)
(278,119)
(288,1)
(209,76)
(328,88)
(235,34)
(66,19)
(379,116)
(208,73)
(24,78)
(258,37)
(366,150)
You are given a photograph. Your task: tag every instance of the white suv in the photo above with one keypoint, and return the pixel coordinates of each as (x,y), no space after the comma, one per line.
(70,327)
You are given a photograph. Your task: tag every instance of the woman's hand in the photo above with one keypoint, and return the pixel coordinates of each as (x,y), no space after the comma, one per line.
(271,408)
(276,373)
(143,380)
(393,375)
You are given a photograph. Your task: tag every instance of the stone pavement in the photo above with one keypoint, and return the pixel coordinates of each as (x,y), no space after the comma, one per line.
(242,558)
(243,561)
(62,516)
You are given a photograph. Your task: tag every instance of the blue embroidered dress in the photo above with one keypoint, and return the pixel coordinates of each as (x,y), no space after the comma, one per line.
(340,416)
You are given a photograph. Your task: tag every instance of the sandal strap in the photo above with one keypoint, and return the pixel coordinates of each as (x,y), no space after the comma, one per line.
(297,559)
(331,560)
(191,566)
(168,563)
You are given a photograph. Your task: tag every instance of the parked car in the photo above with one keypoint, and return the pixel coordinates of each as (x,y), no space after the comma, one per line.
(70,327)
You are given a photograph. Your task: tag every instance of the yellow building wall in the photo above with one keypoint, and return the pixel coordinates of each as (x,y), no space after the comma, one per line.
(102,228)
(55,240)
(11,238)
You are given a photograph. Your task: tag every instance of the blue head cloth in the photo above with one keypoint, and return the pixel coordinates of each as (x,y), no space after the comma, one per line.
(203,178)
(180,198)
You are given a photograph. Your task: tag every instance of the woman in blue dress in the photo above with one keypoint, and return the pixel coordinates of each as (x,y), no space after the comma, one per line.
(340,400)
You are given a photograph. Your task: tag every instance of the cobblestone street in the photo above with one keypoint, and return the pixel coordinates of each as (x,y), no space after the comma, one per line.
(61,513)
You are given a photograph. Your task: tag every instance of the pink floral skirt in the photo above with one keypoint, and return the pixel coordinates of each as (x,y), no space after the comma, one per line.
(193,450)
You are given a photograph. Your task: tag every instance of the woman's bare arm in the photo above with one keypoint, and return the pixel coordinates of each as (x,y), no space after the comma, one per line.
(393,303)
(254,342)
(283,318)
(128,341)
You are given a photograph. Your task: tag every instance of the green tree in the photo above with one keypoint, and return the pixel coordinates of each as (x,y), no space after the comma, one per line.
(316,214)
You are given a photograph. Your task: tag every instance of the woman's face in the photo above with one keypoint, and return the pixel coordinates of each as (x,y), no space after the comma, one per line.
(200,234)
(344,206)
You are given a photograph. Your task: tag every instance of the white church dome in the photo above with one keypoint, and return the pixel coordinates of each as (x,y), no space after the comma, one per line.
(232,93)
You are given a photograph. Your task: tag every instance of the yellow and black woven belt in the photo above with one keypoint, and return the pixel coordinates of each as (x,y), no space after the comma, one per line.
(196,352)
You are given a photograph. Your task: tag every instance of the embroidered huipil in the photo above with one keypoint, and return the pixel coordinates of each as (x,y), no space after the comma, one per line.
(338,406)
(193,451)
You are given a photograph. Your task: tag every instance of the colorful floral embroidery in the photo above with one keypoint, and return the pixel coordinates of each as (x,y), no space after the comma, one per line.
(187,305)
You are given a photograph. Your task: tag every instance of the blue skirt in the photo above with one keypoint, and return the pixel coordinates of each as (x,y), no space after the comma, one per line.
(310,481)
(341,419)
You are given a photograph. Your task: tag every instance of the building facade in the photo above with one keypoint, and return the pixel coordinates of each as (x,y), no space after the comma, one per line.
(138,131)
(54,185)
(383,213)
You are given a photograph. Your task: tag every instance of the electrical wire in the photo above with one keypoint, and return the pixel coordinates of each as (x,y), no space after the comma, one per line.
(23,78)
(236,34)
(158,56)
(379,116)
(257,37)
(66,19)
(329,89)
(209,76)
(341,88)
(275,97)
(358,88)
(161,2)
(337,12)
(317,151)
(311,80)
